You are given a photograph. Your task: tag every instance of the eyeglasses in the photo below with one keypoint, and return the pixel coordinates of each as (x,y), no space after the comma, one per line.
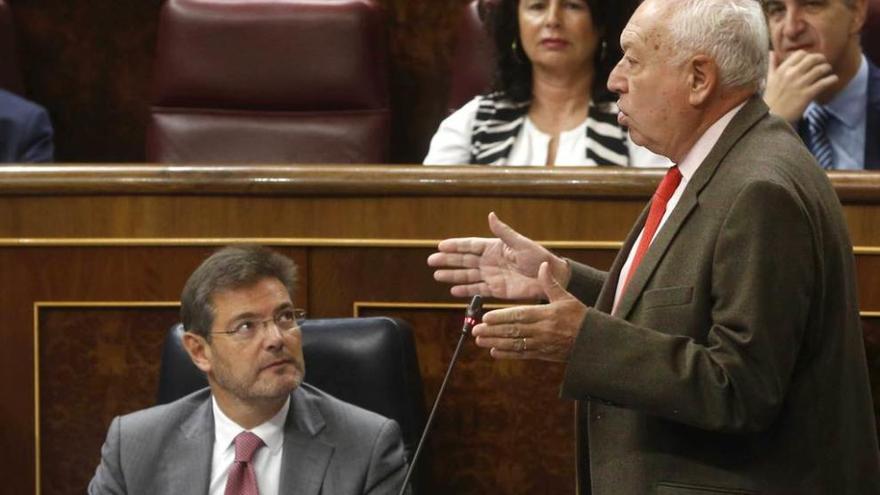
(285,321)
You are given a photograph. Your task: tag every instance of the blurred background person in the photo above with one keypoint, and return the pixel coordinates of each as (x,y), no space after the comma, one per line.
(550,105)
(25,131)
(822,83)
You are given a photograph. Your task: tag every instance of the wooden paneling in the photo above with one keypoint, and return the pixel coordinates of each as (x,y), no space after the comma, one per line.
(94,363)
(120,234)
(500,426)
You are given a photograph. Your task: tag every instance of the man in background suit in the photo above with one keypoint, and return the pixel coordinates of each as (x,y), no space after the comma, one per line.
(25,131)
(822,83)
(257,428)
(722,353)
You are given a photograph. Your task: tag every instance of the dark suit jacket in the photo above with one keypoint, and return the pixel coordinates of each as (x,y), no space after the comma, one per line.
(872,123)
(330,448)
(735,360)
(25,131)
(872,132)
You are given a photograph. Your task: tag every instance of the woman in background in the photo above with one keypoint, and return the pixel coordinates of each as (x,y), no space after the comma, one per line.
(551,105)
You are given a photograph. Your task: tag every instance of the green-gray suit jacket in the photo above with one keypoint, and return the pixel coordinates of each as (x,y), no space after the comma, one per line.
(330,448)
(734,362)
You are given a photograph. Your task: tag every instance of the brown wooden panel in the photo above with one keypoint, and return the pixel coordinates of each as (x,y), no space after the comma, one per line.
(94,364)
(339,277)
(501,427)
(868,277)
(135,235)
(871,330)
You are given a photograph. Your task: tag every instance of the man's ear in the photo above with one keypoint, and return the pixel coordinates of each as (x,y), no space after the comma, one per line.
(860,14)
(702,79)
(199,350)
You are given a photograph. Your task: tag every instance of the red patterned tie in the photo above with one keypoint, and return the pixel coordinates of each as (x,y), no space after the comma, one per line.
(658,207)
(242,479)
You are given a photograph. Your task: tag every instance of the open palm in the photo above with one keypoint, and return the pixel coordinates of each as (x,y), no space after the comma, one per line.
(505,267)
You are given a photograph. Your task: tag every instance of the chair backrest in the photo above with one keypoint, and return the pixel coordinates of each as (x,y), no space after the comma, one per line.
(871,32)
(270,81)
(10,76)
(473,61)
(368,362)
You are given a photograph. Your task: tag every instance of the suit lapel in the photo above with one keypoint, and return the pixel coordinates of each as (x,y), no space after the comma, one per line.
(605,301)
(306,457)
(188,470)
(753,111)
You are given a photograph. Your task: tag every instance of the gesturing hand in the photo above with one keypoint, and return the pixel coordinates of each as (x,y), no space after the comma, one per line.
(793,83)
(504,268)
(545,332)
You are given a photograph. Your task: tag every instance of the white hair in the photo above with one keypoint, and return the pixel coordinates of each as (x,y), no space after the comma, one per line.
(733,32)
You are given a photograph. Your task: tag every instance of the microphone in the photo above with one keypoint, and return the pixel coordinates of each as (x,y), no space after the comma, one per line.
(471,318)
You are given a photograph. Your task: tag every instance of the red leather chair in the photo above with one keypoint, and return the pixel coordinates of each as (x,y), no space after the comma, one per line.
(10,77)
(473,64)
(871,32)
(270,81)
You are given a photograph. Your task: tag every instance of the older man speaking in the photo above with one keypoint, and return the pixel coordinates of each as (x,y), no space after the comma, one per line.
(722,353)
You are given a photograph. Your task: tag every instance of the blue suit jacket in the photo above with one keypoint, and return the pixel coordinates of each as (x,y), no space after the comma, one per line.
(25,131)
(872,128)
(872,125)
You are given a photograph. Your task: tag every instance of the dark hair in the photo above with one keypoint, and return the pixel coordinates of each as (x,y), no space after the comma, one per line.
(513,72)
(232,267)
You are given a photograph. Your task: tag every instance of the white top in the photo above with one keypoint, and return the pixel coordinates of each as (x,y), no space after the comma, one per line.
(688,168)
(267,459)
(451,144)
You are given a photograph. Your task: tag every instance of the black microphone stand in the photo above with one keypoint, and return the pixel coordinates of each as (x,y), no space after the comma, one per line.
(470,319)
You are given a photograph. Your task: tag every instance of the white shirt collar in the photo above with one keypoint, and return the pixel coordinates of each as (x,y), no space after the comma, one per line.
(688,167)
(271,432)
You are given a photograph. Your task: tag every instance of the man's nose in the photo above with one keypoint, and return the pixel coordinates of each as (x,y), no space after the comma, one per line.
(273,336)
(793,23)
(616,81)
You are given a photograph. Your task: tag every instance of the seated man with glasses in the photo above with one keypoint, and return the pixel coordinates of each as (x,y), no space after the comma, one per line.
(257,428)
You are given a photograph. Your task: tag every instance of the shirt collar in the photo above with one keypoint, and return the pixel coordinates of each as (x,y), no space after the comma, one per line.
(849,103)
(271,432)
(688,167)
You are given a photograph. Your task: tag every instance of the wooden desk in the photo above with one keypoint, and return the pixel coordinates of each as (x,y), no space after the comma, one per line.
(93,258)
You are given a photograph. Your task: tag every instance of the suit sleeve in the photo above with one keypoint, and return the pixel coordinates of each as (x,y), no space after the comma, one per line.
(38,145)
(108,479)
(763,274)
(387,462)
(586,282)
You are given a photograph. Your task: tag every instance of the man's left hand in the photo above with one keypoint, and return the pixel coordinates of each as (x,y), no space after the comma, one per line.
(544,332)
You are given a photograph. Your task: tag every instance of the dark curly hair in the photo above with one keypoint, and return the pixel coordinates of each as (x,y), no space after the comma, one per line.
(513,71)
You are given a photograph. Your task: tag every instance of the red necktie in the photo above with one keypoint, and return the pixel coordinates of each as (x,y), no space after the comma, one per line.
(242,479)
(658,207)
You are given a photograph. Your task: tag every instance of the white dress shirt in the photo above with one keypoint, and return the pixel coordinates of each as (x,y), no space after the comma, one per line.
(267,460)
(451,144)
(688,167)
